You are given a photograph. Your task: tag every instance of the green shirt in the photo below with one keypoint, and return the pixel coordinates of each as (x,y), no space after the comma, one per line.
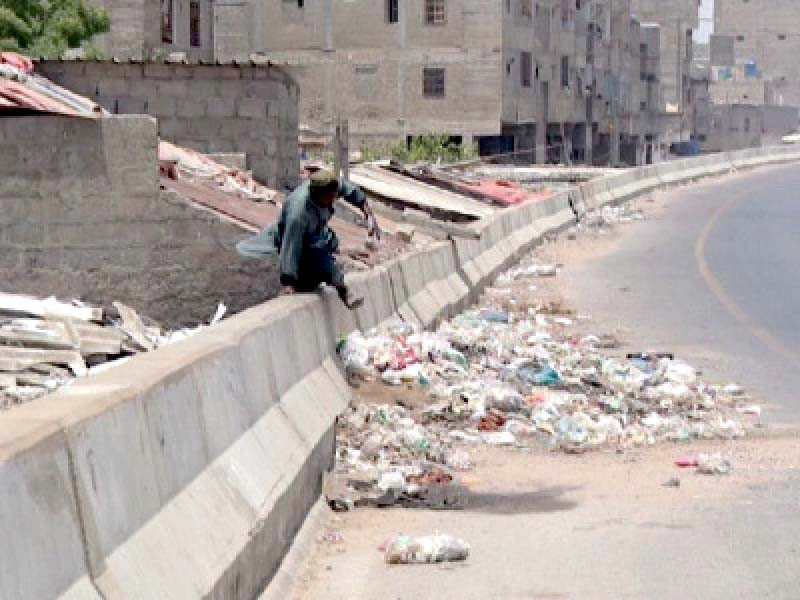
(303,226)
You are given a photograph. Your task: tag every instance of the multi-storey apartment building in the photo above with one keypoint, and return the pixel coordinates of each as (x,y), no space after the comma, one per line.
(754,52)
(557,80)
(676,20)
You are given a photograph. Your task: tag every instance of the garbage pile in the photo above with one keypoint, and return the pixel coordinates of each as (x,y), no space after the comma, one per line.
(514,372)
(46,344)
(611,215)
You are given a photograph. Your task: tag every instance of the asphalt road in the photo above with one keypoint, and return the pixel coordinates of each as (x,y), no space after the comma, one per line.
(714,277)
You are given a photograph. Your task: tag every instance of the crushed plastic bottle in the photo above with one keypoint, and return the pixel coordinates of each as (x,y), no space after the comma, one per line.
(410,550)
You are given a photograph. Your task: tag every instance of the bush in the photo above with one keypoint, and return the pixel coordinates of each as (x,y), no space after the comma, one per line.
(423,148)
(46,28)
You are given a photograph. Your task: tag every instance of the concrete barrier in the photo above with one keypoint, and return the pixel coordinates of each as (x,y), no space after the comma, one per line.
(632,183)
(690,169)
(231,429)
(754,157)
(186,472)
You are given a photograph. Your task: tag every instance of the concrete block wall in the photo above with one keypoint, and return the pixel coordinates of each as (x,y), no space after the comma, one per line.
(220,108)
(81,215)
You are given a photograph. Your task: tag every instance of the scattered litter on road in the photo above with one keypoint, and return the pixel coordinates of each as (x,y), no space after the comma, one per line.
(713,464)
(686,462)
(672,483)
(331,537)
(409,550)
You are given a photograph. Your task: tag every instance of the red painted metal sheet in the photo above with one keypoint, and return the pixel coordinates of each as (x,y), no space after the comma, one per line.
(504,192)
(17,95)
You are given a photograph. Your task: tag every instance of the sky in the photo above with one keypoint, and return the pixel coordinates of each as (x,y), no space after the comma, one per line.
(706,26)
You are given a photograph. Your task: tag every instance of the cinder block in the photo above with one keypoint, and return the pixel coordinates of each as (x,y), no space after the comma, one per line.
(113,87)
(143,88)
(130,106)
(161,107)
(191,108)
(25,233)
(158,71)
(174,88)
(252,108)
(221,107)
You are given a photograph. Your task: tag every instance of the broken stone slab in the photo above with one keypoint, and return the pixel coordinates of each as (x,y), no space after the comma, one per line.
(17,304)
(7,380)
(21,359)
(36,333)
(94,339)
(133,326)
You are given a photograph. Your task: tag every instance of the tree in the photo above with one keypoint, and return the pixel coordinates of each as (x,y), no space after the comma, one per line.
(48,27)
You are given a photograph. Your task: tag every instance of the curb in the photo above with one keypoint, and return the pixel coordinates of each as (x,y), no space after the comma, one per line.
(286,578)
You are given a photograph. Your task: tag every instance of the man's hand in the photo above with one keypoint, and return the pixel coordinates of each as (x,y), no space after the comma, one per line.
(343,292)
(373,229)
(344,296)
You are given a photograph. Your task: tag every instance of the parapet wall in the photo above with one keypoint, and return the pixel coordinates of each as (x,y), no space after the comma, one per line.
(186,472)
(210,108)
(82,215)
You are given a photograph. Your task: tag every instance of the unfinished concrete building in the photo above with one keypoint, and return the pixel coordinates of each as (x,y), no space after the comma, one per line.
(677,19)
(756,43)
(202,30)
(513,76)
(549,80)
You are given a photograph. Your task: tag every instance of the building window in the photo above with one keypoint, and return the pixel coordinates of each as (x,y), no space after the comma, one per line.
(525,69)
(643,62)
(167,24)
(435,13)
(392,11)
(739,38)
(526,9)
(782,37)
(565,71)
(194,24)
(433,83)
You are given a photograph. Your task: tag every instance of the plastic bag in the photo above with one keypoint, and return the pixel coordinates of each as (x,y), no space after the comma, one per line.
(409,550)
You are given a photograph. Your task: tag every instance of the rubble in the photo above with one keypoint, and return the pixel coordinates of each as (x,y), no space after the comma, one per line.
(46,344)
(513,371)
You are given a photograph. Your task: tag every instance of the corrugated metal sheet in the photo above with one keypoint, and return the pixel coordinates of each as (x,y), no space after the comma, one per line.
(23,90)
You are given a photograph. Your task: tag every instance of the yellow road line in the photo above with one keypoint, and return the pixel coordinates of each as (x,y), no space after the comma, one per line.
(756,330)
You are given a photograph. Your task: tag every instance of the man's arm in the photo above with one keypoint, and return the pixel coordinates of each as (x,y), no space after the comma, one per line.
(354,195)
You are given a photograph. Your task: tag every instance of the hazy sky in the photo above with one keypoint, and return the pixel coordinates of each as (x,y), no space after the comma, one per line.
(706,26)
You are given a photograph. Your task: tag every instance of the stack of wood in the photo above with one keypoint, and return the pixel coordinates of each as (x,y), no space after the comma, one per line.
(45,344)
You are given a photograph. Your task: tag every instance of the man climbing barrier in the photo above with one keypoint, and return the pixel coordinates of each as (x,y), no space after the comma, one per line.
(303,243)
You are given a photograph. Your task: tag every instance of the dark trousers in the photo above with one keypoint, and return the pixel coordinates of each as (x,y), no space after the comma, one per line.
(316,267)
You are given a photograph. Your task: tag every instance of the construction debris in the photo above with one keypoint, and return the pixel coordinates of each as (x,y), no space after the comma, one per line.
(46,344)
